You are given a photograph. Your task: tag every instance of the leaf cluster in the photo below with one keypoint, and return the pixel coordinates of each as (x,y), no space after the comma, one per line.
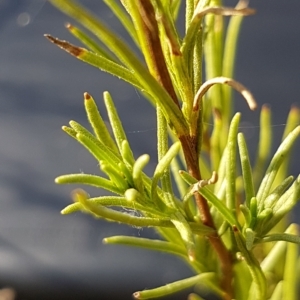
(215,213)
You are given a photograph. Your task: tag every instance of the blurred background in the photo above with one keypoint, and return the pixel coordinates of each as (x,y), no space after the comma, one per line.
(44,255)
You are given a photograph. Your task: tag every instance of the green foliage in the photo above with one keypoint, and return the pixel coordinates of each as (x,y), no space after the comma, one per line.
(226,212)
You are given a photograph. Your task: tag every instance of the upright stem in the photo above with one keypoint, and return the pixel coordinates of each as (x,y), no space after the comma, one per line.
(158,68)
(191,157)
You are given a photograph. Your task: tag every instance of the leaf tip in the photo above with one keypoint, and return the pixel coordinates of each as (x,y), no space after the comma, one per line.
(235,229)
(76,51)
(63,212)
(192,255)
(87,96)
(79,195)
(69,26)
(136,295)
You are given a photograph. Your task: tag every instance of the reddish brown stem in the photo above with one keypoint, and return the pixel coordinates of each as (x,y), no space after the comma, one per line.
(191,157)
(157,65)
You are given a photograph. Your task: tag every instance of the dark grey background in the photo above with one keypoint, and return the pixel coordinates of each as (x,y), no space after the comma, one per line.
(44,255)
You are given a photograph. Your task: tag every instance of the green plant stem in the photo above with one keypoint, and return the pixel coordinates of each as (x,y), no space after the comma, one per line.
(191,152)
(191,157)
(190,149)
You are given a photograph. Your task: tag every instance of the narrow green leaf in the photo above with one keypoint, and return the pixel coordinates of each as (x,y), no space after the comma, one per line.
(227,214)
(88,179)
(100,211)
(189,208)
(97,123)
(274,166)
(262,220)
(70,131)
(288,200)
(253,211)
(257,274)
(272,199)
(174,287)
(264,146)
(120,13)
(291,271)
(215,145)
(144,203)
(189,179)
(162,165)
(193,23)
(231,162)
(242,279)
(247,215)
(220,186)
(284,205)
(171,235)
(94,146)
(127,154)
(229,57)
(186,234)
(114,120)
(115,175)
(162,149)
(179,182)
(277,293)
(246,169)
(137,172)
(193,296)
(276,254)
(103,200)
(99,61)
(275,237)
(174,8)
(293,121)
(98,150)
(80,129)
(96,27)
(156,245)
(189,10)
(212,64)
(126,172)
(250,237)
(89,42)
(128,204)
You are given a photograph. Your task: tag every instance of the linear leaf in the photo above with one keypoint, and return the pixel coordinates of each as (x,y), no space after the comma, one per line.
(274,166)
(246,169)
(97,123)
(89,42)
(162,165)
(264,145)
(98,61)
(231,163)
(123,18)
(88,179)
(174,287)
(115,121)
(219,205)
